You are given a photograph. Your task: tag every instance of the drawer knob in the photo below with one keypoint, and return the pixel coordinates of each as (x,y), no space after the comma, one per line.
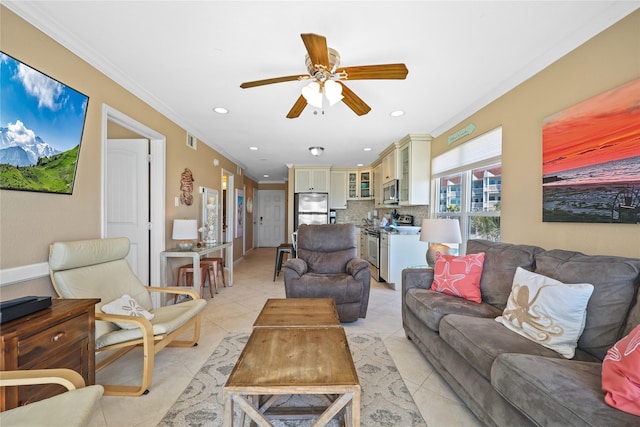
(58,336)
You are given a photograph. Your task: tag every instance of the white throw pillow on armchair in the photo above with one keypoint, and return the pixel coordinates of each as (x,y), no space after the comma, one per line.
(126,306)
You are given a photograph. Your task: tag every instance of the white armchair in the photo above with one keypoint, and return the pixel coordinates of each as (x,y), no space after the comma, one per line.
(73,408)
(98,269)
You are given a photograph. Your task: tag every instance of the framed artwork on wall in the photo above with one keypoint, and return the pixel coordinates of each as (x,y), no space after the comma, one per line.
(239,213)
(41,126)
(591,160)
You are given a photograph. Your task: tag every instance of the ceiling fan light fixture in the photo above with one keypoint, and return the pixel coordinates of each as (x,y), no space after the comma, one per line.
(313,94)
(333,92)
(316,151)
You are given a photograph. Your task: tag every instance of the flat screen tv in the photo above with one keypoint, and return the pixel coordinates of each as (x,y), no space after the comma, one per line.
(41,125)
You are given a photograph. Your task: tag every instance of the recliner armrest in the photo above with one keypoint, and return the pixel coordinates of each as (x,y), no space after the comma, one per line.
(356,265)
(296,264)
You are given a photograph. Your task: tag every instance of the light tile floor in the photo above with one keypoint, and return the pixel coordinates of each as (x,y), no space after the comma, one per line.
(235,309)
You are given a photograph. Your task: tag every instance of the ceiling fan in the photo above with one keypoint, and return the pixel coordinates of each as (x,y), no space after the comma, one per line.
(324,73)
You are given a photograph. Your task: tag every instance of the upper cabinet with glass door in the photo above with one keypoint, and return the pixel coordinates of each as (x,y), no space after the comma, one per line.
(359,185)
(414,165)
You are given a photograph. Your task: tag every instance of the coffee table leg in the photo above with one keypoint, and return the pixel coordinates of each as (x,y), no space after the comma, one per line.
(228,410)
(355,409)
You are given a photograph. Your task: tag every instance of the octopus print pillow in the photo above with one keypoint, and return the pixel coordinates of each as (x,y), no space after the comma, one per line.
(547,311)
(459,275)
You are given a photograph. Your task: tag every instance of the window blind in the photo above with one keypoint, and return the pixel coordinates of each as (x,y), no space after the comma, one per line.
(480,150)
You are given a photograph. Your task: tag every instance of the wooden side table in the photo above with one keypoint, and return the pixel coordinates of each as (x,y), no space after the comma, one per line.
(61,336)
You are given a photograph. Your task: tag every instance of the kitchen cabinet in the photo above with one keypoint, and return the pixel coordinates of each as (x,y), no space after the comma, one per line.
(397,252)
(377,187)
(359,185)
(389,167)
(362,243)
(338,191)
(414,163)
(61,336)
(311,179)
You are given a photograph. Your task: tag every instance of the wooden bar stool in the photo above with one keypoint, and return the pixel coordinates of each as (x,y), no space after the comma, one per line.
(183,278)
(216,265)
(282,249)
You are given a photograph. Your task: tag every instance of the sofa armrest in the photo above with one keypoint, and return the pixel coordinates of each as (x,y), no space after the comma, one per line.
(296,264)
(416,278)
(356,265)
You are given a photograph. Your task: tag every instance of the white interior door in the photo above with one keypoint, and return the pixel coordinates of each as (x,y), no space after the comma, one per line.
(127,199)
(270,218)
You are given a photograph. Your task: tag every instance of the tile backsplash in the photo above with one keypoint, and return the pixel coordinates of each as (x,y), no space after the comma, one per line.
(357,210)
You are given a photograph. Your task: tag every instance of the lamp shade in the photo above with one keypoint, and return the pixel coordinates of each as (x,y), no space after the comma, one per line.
(440,230)
(312,93)
(185,229)
(333,92)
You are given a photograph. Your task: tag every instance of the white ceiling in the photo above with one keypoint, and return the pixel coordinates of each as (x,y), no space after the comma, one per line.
(186,57)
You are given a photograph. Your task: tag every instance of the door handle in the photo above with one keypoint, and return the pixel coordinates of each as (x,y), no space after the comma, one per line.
(260,220)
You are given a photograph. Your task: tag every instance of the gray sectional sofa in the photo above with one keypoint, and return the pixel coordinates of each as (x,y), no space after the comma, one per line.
(504,378)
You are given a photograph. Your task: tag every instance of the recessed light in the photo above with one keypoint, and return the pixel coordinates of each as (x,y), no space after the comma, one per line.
(253,148)
(265,176)
(397,113)
(367,149)
(221,110)
(360,165)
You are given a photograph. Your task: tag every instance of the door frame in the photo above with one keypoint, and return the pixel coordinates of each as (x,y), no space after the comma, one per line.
(157,176)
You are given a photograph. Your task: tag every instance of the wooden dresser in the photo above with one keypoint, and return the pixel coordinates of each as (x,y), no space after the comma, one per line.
(61,336)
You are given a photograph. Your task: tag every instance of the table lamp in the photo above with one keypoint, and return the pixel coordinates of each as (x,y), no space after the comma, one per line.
(436,231)
(185,231)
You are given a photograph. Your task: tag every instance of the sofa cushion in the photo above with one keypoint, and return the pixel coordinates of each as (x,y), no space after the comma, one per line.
(547,311)
(556,391)
(621,374)
(459,275)
(344,288)
(480,340)
(430,307)
(500,262)
(615,280)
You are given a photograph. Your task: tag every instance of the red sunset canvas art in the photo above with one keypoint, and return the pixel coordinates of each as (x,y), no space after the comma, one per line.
(591,159)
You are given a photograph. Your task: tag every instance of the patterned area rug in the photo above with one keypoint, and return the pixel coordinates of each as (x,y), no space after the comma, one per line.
(385,400)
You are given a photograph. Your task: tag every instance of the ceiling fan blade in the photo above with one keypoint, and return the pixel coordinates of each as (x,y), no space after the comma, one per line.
(247,85)
(297,108)
(353,101)
(383,71)
(316,48)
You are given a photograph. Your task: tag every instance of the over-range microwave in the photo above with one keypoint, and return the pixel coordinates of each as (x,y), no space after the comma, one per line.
(390,192)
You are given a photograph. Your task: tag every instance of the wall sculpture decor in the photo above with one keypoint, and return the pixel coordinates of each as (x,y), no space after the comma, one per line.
(591,160)
(186,186)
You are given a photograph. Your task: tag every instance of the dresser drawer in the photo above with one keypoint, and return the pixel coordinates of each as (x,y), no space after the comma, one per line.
(48,341)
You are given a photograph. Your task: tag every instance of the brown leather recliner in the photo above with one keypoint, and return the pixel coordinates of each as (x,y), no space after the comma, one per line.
(327,267)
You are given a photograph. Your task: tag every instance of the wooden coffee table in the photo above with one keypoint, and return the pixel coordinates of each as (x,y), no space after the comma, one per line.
(286,361)
(296,312)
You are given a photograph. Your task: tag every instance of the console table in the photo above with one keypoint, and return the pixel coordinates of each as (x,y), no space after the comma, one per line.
(195,254)
(61,336)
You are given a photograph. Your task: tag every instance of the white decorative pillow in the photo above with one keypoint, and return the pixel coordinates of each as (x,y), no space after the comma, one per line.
(547,311)
(126,306)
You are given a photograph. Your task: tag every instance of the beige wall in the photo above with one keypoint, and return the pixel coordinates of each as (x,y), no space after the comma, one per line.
(29,222)
(607,61)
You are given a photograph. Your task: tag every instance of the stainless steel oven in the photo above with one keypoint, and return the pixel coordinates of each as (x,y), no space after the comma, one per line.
(373,251)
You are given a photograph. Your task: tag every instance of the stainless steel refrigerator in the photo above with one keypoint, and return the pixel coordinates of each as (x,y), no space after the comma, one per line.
(310,208)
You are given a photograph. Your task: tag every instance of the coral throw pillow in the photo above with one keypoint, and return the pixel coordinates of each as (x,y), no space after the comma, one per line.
(621,374)
(459,275)
(547,311)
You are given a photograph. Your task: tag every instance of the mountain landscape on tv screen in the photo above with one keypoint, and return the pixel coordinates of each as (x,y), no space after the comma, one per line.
(33,165)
